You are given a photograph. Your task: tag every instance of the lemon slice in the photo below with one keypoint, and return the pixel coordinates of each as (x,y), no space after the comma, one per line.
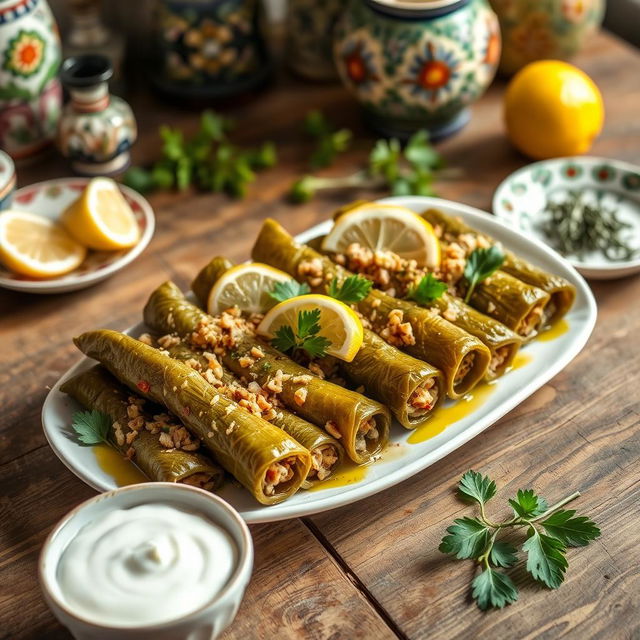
(35,246)
(101,218)
(386,227)
(338,323)
(247,286)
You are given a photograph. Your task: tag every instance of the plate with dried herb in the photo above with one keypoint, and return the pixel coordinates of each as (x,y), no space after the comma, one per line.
(586,208)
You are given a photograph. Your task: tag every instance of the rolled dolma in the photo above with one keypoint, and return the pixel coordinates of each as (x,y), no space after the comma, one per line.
(263,458)
(361,424)
(562,293)
(461,357)
(98,389)
(326,452)
(410,387)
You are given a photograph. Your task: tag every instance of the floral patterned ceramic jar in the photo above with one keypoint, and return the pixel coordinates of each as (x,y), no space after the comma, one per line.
(210,48)
(310,25)
(97,129)
(540,29)
(417,64)
(30,94)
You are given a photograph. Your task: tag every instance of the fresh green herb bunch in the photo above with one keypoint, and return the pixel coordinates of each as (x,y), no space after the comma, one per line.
(207,160)
(577,225)
(427,290)
(304,336)
(329,141)
(549,532)
(408,171)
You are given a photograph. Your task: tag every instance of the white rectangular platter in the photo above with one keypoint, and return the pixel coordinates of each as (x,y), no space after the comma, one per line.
(409,452)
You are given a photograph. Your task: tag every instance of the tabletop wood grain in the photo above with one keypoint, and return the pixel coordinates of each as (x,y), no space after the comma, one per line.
(371,569)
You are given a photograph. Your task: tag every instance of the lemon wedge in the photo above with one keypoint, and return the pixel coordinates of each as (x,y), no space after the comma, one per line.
(385,227)
(35,246)
(247,286)
(101,218)
(338,323)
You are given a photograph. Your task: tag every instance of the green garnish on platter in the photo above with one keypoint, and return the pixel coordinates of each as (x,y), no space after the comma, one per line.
(481,264)
(353,289)
(91,427)
(304,337)
(427,290)
(577,225)
(289,289)
(549,532)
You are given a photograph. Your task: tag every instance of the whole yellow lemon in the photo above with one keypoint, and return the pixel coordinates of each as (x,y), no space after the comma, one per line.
(552,109)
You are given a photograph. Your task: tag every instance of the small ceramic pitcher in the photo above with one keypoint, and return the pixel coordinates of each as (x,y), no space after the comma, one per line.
(30,94)
(417,64)
(541,29)
(96,129)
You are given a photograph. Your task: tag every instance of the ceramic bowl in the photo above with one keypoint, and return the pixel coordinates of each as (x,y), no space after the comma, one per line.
(206,622)
(50,198)
(7,180)
(521,198)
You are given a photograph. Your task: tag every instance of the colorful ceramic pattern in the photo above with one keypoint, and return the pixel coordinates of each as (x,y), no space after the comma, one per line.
(520,200)
(30,95)
(96,129)
(310,26)
(417,67)
(7,180)
(542,29)
(50,199)
(210,48)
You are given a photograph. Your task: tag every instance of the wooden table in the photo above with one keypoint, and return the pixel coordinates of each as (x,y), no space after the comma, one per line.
(372,569)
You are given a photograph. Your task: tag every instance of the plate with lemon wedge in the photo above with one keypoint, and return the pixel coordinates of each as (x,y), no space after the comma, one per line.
(70,233)
(313,378)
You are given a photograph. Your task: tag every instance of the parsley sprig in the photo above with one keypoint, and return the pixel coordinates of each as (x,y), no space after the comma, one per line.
(304,337)
(427,290)
(353,289)
(329,141)
(408,171)
(481,264)
(207,160)
(288,289)
(91,427)
(549,530)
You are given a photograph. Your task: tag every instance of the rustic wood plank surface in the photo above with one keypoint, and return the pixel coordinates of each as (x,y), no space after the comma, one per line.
(372,569)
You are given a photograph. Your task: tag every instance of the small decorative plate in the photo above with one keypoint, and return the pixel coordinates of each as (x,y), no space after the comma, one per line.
(50,198)
(520,200)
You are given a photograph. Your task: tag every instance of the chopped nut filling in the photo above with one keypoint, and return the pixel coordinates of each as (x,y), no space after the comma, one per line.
(423,399)
(465,367)
(531,321)
(366,431)
(396,332)
(278,473)
(498,358)
(323,460)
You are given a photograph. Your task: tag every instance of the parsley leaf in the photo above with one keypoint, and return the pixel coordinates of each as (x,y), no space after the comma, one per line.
(468,538)
(91,427)
(546,561)
(353,289)
(572,532)
(289,289)
(481,264)
(503,554)
(329,141)
(493,589)
(476,487)
(528,504)
(427,290)
(305,336)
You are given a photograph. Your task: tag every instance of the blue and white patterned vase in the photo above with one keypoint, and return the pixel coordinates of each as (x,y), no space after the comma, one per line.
(96,129)
(209,49)
(30,93)
(417,64)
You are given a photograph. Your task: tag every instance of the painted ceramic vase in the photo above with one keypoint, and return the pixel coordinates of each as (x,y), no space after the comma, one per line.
(417,65)
(96,129)
(210,48)
(542,29)
(309,43)
(7,180)
(30,94)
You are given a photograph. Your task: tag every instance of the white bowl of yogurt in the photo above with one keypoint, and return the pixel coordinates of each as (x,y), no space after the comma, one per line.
(156,561)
